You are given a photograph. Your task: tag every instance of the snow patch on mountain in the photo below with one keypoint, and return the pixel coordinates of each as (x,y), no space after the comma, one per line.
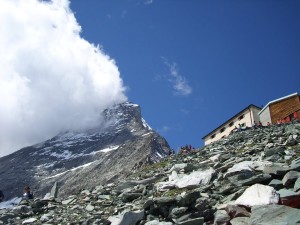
(146,125)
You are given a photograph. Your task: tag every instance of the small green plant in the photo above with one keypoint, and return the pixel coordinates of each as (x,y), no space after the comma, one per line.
(174,192)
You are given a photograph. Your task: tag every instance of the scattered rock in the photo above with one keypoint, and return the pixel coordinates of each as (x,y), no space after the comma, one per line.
(258,194)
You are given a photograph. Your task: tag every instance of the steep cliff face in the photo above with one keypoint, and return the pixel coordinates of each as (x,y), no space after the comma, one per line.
(80,159)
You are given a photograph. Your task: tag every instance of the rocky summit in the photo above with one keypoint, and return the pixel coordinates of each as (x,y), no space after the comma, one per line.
(250,177)
(83,159)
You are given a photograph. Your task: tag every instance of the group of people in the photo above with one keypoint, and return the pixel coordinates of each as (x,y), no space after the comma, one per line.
(27,194)
(259,124)
(186,149)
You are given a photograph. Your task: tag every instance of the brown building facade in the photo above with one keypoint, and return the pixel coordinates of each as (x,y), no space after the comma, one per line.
(281,110)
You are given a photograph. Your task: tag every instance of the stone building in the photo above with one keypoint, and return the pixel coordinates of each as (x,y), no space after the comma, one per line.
(246,118)
(281,110)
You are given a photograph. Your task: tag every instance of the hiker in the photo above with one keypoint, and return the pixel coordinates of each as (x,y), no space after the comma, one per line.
(240,127)
(27,194)
(1,196)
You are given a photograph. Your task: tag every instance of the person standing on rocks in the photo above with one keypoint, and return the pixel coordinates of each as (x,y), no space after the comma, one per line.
(1,196)
(27,194)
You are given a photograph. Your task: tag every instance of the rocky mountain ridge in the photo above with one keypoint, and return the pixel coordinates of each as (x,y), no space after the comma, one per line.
(250,177)
(82,159)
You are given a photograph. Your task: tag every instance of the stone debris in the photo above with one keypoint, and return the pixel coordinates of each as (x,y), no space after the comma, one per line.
(249,177)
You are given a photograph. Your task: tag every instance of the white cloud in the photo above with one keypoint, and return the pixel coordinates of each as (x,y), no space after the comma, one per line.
(180,84)
(164,129)
(51,79)
(148,2)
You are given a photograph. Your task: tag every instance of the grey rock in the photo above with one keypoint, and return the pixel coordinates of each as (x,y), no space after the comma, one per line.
(273,151)
(129,197)
(259,178)
(195,221)
(240,221)
(148,204)
(54,191)
(89,207)
(297,185)
(276,169)
(186,167)
(290,178)
(22,209)
(29,221)
(202,204)
(234,195)
(165,200)
(290,141)
(127,218)
(237,211)
(274,214)
(188,199)
(156,222)
(289,198)
(221,217)
(104,197)
(277,184)
(69,201)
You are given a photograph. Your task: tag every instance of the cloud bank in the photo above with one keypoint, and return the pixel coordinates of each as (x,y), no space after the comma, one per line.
(179,82)
(51,79)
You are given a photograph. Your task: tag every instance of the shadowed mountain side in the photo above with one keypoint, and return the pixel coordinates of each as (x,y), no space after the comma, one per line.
(85,158)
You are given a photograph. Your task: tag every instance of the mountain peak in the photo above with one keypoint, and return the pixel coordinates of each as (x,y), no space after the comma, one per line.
(110,150)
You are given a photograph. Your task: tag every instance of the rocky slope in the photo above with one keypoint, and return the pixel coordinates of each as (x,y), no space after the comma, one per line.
(251,177)
(84,159)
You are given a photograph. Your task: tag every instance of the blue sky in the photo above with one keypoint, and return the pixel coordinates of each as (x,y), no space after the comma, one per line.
(193,64)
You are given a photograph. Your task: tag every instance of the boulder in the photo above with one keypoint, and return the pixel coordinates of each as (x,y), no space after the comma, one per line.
(275,183)
(194,179)
(22,209)
(290,141)
(259,178)
(258,194)
(272,151)
(190,181)
(165,201)
(297,185)
(186,220)
(221,217)
(246,166)
(178,212)
(127,218)
(274,214)
(29,221)
(129,196)
(240,221)
(183,166)
(289,198)
(278,169)
(237,211)
(156,222)
(290,178)
(202,203)
(188,199)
